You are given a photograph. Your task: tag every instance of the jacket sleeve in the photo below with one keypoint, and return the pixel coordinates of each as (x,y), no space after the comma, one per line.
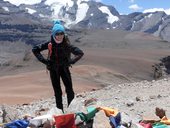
(37,52)
(78,53)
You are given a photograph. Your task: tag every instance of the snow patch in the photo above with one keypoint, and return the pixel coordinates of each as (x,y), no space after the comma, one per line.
(18,2)
(163,19)
(31,11)
(149,16)
(81,12)
(111,18)
(61,2)
(41,15)
(56,9)
(133,25)
(167,11)
(6,9)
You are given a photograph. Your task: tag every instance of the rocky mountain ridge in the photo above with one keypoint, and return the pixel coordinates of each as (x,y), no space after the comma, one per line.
(80,15)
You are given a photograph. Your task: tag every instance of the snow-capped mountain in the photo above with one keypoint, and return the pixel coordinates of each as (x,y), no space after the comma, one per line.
(87,14)
(71,12)
(156,23)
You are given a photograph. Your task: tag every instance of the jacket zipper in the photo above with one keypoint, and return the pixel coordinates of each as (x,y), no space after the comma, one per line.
(57,59)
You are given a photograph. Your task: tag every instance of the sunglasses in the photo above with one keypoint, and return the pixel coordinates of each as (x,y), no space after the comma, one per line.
(59,33)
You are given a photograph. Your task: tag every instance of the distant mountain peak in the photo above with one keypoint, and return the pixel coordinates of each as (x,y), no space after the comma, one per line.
(88,14)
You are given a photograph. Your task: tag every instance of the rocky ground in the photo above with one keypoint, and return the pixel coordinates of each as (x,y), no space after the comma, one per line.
(135,101)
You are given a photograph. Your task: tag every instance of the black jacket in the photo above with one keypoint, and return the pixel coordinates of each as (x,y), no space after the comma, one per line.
(61,54)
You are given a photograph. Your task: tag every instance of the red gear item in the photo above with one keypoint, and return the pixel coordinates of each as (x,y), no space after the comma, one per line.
(65,121)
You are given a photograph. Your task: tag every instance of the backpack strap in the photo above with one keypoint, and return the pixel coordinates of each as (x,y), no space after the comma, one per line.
(49,53)
(49,49)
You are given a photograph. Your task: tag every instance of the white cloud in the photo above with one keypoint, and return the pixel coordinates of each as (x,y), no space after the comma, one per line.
(167,11)
(135,7)
(131,1)
(98,0)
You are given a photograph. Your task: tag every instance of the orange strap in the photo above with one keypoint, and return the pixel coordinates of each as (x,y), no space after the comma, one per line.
(50,48)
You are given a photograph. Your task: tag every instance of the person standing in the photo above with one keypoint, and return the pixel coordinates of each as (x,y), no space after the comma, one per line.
(58,62)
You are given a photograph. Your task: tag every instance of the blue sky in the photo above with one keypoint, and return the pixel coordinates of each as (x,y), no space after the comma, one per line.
(129,6)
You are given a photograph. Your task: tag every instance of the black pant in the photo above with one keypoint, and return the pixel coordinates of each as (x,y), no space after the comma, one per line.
(55,75)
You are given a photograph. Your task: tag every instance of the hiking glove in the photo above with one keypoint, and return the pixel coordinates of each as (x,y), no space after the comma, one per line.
(71,61)
(75,58)
(48,64)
